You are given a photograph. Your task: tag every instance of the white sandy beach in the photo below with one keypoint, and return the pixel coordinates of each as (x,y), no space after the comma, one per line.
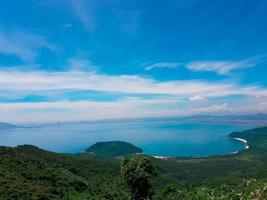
(244,141)
(238,139)
(161,157)
(241,140)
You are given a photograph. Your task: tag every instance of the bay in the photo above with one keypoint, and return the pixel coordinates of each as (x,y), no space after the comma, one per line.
(157,138)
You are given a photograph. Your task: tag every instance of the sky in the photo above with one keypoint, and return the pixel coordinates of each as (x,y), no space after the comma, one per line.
(72,60)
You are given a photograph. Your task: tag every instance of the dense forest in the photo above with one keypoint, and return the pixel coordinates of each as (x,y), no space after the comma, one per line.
(114,148)
(27,172)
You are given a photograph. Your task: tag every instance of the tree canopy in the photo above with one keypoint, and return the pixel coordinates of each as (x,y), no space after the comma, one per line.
(136,172)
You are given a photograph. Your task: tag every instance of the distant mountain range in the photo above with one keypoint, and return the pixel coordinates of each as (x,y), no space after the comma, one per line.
(258,118)
(4,125)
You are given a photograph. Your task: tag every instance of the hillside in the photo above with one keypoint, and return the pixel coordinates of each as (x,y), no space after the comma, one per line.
(114,148)
(27,172)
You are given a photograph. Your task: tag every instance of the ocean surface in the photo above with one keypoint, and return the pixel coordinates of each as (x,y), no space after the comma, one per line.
(156,138)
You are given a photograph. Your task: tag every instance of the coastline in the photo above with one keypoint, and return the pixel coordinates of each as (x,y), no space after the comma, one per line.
(161,157)
(240,140)
(235,152)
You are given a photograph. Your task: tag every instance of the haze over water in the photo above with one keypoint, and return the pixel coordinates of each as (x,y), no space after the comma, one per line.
(160,138)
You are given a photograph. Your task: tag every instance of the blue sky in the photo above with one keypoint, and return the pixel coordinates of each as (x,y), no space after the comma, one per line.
(64,60)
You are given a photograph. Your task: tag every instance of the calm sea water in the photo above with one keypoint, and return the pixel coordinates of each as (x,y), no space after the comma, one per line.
(166,138)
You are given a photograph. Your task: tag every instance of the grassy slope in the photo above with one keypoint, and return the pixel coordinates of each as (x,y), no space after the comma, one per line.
(27,172)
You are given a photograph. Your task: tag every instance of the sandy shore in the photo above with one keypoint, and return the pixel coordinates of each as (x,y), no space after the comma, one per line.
(241,140)
(161,157)
(238,139)
(244,141)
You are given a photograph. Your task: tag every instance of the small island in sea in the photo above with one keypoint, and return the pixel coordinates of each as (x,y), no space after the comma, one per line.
(114,148)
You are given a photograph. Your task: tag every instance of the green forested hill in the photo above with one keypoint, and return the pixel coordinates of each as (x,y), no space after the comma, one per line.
(114,148)
(27,172)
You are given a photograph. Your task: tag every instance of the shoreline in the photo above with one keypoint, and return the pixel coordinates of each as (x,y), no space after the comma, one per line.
(240,140)
(245,142)
(161,157)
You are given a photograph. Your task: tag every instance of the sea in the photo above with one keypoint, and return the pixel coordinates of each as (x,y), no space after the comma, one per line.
(168,138)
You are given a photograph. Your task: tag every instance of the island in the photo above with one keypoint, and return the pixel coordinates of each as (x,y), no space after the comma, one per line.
(114,148)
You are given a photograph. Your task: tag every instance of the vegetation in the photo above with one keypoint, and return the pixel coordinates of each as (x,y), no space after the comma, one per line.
(114,148)
(136,172)
(246,190)
(27,172)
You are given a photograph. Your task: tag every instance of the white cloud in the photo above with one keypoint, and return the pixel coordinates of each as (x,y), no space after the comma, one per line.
(88,13)
(84,12)
(23,44)
(129,107)
(171,65)
(171,97)
(196,98)
(80,110)
(224,67)
(13,80)
(26,66)
(214,108)
(80,64)
(124,108)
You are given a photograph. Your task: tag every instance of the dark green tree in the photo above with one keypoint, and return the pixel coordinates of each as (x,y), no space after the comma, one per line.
(136,172)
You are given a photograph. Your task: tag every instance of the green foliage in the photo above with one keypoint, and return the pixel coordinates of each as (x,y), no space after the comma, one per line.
(246,190)
(136,172)
(27,172)
(114,148)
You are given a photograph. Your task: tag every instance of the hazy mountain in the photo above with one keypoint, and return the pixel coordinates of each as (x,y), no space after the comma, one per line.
(4,125)
(258,118)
